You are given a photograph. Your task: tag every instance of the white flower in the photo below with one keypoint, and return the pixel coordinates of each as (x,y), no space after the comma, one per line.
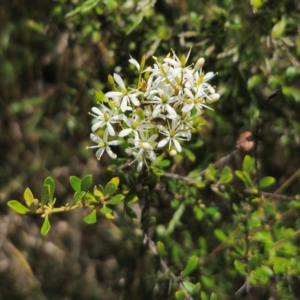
(162,103)
(173,134)
(135,124)
(192,101)
(143,149)
(103,145)
(107,117)
(126,96)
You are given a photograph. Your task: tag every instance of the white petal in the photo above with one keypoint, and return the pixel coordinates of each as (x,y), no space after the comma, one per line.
(189,93)
(113,94)
(188,55)
(97,111)
(140,166)
(114,143)
(97,125)
(134,100)
(134,62)
(208,76)
(119,80)
(162,128)
(110,129)
(163,142)
(177,145)
(95,138)
(125,132)
(110,153)
(100,152)
(171,111)
(187,108)
(124,104)
(152,138)
(156,111)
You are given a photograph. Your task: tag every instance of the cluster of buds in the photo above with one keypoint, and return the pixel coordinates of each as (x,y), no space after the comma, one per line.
(158,112)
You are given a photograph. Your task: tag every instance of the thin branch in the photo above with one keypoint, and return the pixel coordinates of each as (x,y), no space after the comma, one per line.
(165,267)
(257,131)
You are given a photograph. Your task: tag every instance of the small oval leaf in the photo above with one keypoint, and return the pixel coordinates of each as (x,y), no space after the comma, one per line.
(188,286)
(111,186)
(49,181)
(91,218)
(160,248)
(28,196)
(116,199)
(77,197)
(266,182)
(86,183)
(279,28)
(18,207)
(180,295)
(213,296)
(106,210)
(191,265)
(75,183)
(248,164)
(45,198)
(46,226)
(220,235)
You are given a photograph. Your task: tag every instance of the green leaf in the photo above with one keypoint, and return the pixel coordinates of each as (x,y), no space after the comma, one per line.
(18,207)
(248,164)
(266,182)
(46,226)
(116,199)
(111,186)
(129,199)
(160,248)
(106,210)
(248,179)
(203,296)
(245,177)
(86,183)
(180,295)
(213,296)
(163,163)
(49,181)
(211,172)
(75,183)
(190,155)
(91,218)
(77,197)
(196,288)
(28,196)
(131,213)
(279,28)
(100,96)
(45,198)
(188,286)
(226,176)
(257,3)
(240,267)
(191,265)
(151,221)
(220,235)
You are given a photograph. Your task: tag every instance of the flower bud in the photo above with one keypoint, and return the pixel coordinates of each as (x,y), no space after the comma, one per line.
(111,80)
(199,64)
(173,152)
(146,146)
(213,98)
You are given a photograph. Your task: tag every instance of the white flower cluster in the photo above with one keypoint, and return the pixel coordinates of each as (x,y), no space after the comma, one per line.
(159,111)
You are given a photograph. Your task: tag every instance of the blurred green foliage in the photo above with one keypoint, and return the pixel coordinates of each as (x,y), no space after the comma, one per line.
(53,57)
